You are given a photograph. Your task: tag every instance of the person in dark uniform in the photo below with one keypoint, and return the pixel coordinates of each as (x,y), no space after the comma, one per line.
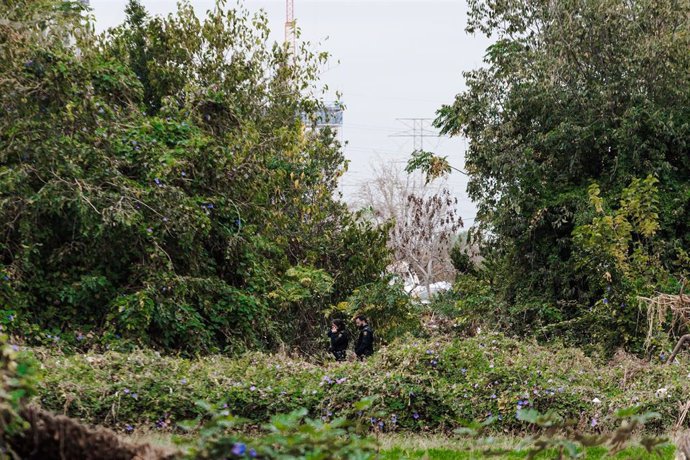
(339,339)
(365,342)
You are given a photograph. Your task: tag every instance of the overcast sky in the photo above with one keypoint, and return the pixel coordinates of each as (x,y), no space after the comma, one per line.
(391,59)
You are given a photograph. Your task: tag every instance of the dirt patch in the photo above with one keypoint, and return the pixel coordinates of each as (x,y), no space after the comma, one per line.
(58,437)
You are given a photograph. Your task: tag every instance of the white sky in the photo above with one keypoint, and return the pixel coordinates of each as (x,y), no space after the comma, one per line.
(391,59)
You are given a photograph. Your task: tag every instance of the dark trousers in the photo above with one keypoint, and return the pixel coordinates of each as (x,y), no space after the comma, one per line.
(340,355)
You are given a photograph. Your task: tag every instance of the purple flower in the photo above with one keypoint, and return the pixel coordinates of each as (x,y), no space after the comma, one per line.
(493,396)
(463,370)
(606,301)
(80,336)
(6,278)
(15,347)
(434,362)
(149,230)
(415,416)
(381,425)
(340,380)
(135,395)
(165,219)
(252,388)
(373,420)
(183,381)
(126,391)
(183,174)
(430,352)
(252,453)
(238,449)
(129,428)
(157,181)
(394,419)
(594,422)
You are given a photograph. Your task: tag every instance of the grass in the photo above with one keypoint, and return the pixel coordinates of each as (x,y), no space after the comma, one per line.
(441,448)
(438,447)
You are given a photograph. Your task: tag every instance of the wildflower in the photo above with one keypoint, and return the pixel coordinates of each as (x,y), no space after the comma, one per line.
(157,181)
(135,395)
(129,428)
(434,362)
(661,392)
(430,352)
(493,396)
(594,423)
(252,388)
(238,448)
(340,380)
(11,317)
(606,301)
(15,347)
(183,381)
(463,371)
(126,391)
(381,425)
(394,419)
(373,420)
(415,416)
(662,356)
(252,453)
(596,401)
(149,230)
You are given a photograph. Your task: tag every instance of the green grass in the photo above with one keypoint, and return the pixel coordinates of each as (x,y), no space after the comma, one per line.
(441,448)
(593,453)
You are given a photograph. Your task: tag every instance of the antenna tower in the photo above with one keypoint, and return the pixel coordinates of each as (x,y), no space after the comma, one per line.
(290,38)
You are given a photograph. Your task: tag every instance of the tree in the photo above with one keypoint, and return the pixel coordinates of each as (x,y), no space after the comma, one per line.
(158,182)
(423,219)
(572,92)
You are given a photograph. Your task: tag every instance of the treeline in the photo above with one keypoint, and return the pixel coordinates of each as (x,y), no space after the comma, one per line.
(579,162)
(163,183)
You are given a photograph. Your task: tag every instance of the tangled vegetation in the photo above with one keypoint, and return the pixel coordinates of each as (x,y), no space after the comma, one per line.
(154,190)
(578,127)
(414,385)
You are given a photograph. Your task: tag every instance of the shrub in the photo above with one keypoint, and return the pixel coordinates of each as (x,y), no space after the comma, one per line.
(414,385)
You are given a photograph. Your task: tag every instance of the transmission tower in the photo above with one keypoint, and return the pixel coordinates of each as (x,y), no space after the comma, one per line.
(416,130)
(290,33)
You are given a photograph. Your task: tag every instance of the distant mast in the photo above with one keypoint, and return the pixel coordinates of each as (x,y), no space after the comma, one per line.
(290,33)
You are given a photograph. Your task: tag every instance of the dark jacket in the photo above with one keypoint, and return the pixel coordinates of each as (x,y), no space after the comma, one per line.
(339,340)
(365,342)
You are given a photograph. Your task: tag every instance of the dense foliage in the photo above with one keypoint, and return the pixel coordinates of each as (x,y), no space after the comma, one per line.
(579,101)
(162,182)
(429,385)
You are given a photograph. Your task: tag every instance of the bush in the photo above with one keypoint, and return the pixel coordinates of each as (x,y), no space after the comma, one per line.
(414,385)
(285,436)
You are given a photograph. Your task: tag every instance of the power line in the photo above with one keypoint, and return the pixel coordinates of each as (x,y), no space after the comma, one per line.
(416,131)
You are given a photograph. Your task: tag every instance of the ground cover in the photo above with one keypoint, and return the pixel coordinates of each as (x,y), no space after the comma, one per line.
(413,386)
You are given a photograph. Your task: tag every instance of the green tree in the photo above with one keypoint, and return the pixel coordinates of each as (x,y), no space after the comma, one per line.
(158,182)
(571,92)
